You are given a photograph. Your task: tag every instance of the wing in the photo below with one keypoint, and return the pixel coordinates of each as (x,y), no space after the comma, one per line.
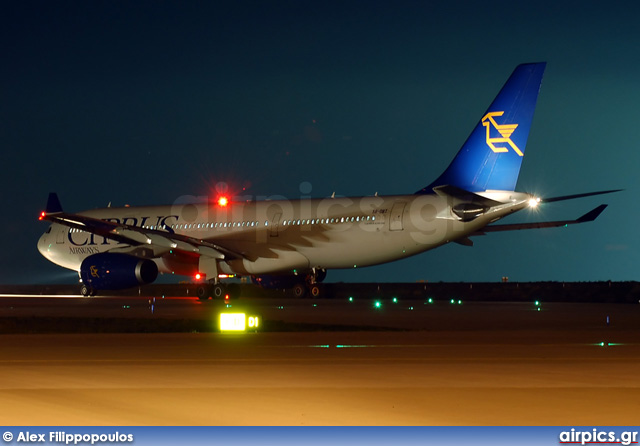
(160,240)
(589,216)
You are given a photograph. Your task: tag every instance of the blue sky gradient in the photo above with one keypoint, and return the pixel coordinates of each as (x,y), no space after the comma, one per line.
(145,102)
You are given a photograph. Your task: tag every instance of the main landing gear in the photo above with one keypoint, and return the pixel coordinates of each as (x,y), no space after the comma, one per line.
(218,291)
(311,285)
(303,289)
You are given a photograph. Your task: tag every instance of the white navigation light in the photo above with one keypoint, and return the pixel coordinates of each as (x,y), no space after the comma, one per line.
(534,201)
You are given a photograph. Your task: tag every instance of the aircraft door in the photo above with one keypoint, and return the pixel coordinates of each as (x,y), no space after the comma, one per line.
(61,234)
(395,221)
(275,223)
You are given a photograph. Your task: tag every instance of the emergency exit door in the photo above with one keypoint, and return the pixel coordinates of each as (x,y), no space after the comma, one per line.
(395,222)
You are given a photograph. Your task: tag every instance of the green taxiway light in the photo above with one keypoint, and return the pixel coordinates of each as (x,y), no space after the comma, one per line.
(353,346)
(537,303)
(430,300)
(350,298)
(453,301)
(395,300)
(459,302)
(377,304)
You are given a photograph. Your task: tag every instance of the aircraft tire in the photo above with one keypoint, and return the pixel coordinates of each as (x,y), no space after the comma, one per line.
(315,291)
(299,290)
(86,291)
(203,292)
(218,291)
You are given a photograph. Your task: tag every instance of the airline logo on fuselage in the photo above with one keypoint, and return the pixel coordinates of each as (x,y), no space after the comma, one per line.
(505,131)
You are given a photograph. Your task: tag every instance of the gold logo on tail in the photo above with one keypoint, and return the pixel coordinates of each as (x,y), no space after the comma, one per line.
(94,271)
(505,131)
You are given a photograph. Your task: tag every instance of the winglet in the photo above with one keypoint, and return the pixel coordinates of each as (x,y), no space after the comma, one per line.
(53,204)
(592,215)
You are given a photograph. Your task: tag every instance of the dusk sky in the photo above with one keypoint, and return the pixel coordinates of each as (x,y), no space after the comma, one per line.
(147,102)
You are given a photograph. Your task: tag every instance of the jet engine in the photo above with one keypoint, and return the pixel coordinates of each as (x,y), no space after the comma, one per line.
(113,271)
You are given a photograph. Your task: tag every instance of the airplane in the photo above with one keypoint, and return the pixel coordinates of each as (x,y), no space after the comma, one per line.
(292,243)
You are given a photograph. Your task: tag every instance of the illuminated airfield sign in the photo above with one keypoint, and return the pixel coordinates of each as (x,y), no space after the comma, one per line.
(239,322)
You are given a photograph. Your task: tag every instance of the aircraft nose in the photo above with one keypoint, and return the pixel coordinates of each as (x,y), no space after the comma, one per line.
(43,245)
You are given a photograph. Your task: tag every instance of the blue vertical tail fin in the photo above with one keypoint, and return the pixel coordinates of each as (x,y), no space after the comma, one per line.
(491,157)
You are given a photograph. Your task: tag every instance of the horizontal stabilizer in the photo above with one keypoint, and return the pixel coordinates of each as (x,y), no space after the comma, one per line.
(589,216)
(571,197)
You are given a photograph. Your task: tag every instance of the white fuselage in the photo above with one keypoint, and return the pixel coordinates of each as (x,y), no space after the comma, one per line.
(284,236)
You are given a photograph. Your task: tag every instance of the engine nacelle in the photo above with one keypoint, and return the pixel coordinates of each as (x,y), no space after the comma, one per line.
(113,271)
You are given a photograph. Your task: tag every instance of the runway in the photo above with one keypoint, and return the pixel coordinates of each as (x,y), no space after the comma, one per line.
(348,363)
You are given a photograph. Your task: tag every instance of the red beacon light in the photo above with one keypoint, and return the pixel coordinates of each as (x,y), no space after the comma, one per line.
(42,215)
(198,276)
(223,201)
